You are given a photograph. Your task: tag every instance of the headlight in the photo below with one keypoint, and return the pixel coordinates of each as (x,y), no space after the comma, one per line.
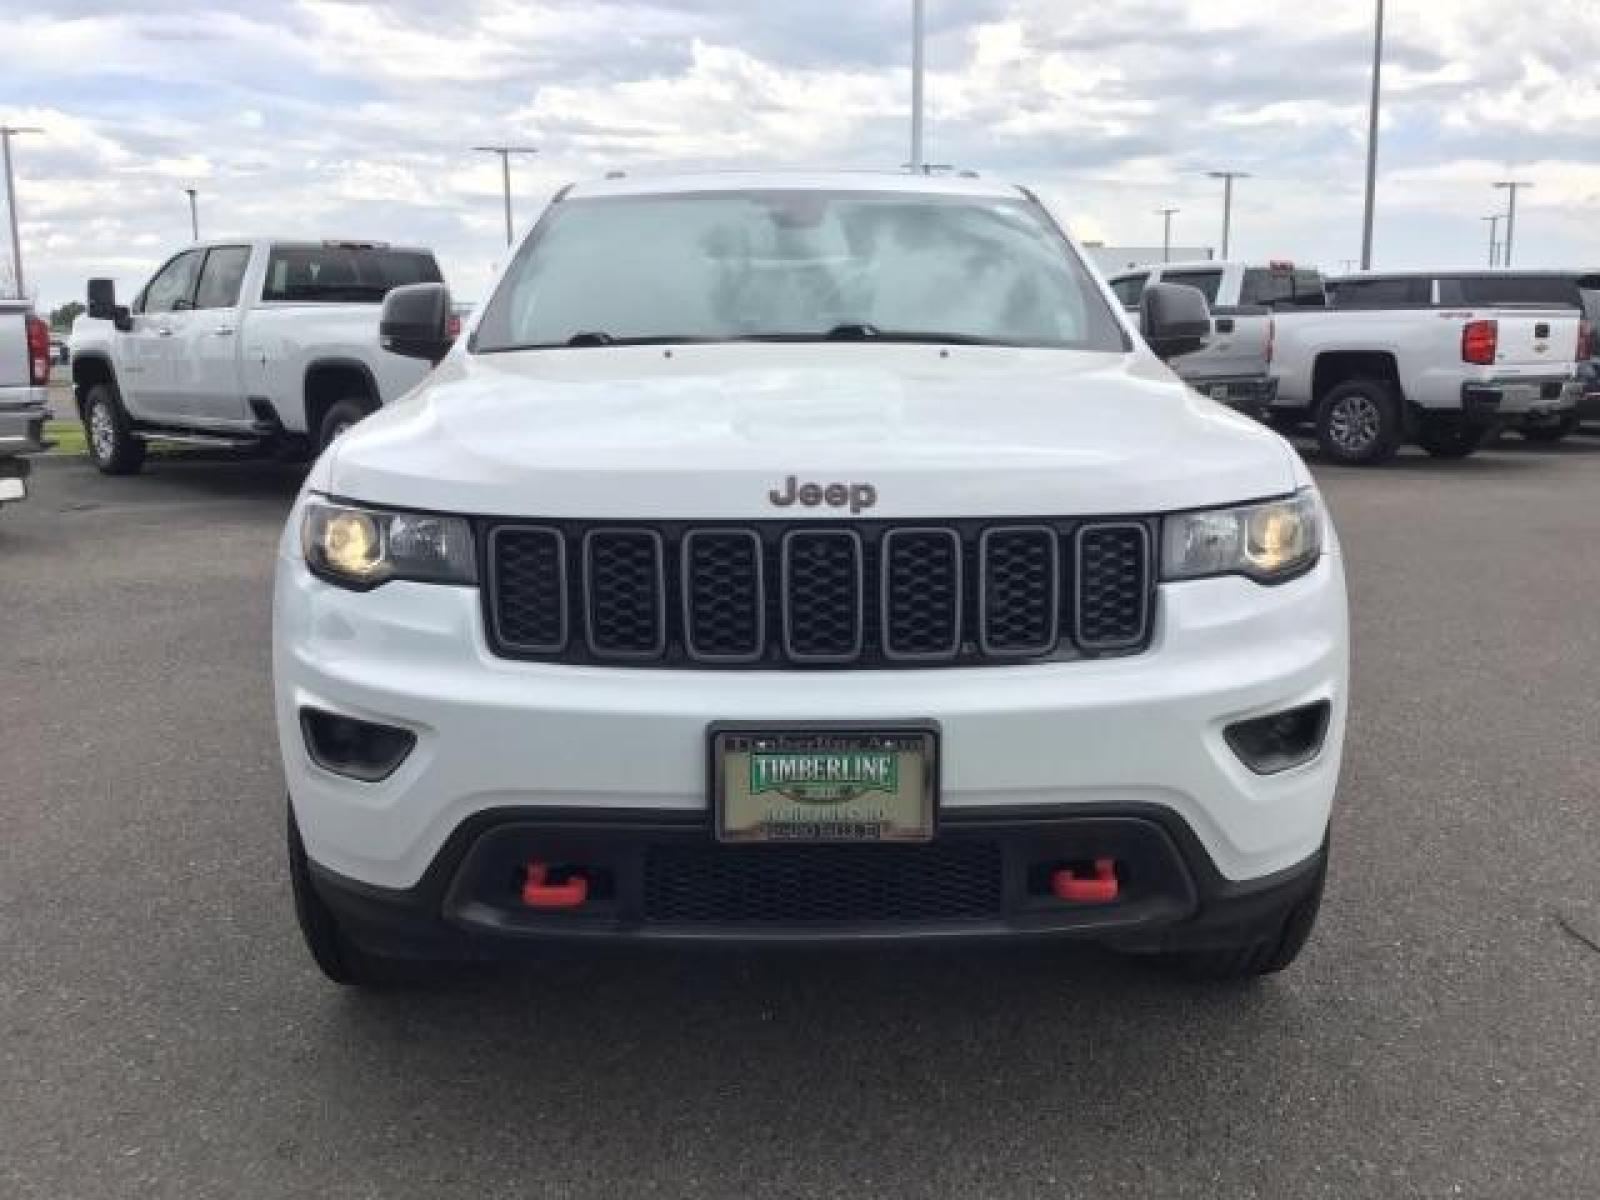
(1269,542)
(363,547)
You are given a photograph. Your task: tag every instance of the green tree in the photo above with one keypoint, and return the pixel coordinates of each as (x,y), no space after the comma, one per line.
(63,317)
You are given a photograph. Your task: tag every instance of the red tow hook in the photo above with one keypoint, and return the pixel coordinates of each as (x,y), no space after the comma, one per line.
(1102,889)
(538,893)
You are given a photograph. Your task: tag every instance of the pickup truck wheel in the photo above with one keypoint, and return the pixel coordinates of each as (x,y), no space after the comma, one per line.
(340,959)
(1453,439)
(339,418)
(108,433)
(1553,432)
(1358,422)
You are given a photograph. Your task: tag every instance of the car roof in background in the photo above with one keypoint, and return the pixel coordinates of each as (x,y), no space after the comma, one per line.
(1471,273)
(944,184)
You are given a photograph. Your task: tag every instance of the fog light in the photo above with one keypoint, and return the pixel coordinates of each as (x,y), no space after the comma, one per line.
(358,749)
(1286,739)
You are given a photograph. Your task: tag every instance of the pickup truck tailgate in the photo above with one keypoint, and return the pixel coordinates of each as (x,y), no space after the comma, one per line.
(1536,339)
(1237,346)
(13,348)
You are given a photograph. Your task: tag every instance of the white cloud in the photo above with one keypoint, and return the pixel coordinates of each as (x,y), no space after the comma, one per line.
(321,117)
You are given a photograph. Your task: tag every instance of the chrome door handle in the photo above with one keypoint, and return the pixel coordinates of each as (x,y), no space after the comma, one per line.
(163,331)
(223,331)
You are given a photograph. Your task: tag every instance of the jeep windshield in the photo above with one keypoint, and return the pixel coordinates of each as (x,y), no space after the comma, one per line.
(724,266)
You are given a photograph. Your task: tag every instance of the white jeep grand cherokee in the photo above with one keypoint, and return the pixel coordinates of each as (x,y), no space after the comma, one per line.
(806,557)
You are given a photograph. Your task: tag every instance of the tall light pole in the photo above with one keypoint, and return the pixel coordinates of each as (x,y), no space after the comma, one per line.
(505,153)
(1227,178)
(1166,232)
(1494,230)
(194,214)
(1511,186)
(916,85)
(6,132)
(1372,139)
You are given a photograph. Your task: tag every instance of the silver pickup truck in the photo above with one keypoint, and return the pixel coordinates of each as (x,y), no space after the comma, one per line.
(24,382)
(1234,367)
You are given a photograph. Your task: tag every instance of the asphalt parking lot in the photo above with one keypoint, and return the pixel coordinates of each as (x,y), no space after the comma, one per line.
(163,1033)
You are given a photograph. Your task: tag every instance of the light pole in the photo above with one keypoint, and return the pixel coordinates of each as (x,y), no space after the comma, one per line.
(1372,139)
(916,85)
(6,132)
(1511,186)
(194,214)
(1166,232)
(1494,230)
(505,153)
(1227,178)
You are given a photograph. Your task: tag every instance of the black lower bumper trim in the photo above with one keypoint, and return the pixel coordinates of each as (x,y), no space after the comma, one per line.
(655,877)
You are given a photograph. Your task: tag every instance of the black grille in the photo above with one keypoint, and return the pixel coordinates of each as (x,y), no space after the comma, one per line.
(623,576)
(818,594)
(822,587)
(801,885)
(724,606)
(528,585)
(921,593)
(1113,569)
(1019,601)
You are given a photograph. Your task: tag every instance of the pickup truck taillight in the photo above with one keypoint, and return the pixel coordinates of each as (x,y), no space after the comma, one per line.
(1585,340)
(38,352)
(1479,342)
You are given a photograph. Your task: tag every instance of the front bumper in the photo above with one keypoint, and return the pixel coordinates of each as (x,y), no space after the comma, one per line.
(494,734)
(663,877)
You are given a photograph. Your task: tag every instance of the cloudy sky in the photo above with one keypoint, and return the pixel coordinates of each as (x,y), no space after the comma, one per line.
(325,118)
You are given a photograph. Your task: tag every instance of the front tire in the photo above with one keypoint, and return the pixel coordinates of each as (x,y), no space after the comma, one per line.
(340,959)
(1358,422)
(1258,956)
(341,416)
(108,433)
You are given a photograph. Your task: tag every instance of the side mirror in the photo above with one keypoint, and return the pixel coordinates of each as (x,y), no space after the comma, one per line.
(415,321)
(103,304)
(1175,319)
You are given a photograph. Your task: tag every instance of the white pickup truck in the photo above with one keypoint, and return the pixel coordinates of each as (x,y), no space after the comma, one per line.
(1398,356)
(24,377)
(1234,366)
(244,343)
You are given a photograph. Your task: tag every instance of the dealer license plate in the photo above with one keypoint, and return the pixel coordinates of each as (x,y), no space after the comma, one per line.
(824,785)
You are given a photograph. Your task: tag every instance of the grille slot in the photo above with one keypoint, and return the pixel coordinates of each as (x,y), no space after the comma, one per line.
(1113,585)
(724,600)
(625,585)
(921,594)
(822,594)
(811,885)
(1019,590)
(528,588)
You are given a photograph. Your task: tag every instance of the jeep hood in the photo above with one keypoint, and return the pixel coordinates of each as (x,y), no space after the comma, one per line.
(707,431)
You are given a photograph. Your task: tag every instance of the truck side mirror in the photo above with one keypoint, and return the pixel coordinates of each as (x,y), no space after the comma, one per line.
(1175,319)
(103,304)
(415,321)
